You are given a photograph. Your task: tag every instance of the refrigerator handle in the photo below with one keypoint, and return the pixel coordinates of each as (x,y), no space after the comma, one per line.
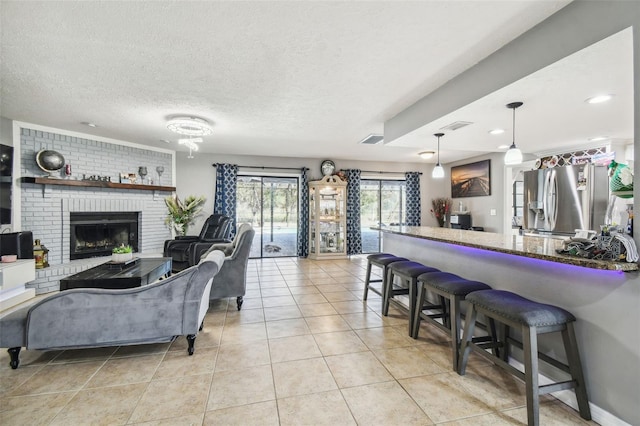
(553,199)
(545,201)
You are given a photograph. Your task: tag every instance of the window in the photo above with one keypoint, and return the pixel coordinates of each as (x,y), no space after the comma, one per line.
(382,202)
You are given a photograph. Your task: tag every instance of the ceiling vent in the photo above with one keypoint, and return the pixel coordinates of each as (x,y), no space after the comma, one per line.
(456,125)
(372,140)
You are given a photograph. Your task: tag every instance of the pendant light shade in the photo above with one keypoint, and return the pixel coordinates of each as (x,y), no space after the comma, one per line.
(438,170)
(513,155)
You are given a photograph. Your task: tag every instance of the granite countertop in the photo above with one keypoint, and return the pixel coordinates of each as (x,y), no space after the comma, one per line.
(520,245)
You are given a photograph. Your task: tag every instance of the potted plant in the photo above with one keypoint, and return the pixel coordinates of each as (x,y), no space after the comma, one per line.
(183,214)
(121,254)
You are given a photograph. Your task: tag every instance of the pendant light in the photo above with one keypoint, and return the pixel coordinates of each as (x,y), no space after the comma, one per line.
(513,155)
(438,170)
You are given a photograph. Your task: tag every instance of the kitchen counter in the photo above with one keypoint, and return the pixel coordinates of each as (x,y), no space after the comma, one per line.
(543,248)
(603,298)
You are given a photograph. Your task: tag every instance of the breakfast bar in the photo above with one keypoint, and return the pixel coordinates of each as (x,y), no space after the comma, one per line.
(604,296)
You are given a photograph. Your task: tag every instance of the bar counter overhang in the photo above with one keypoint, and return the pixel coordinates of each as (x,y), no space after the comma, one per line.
(604,299)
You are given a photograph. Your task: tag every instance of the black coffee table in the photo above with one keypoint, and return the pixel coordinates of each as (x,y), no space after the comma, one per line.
(145,271)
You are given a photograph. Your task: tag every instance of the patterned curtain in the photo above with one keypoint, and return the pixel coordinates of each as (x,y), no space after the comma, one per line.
(303,216)
(413,198)
(354,236)
(225,200)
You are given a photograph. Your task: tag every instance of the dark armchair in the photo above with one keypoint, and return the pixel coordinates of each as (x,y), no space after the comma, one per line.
(215,229)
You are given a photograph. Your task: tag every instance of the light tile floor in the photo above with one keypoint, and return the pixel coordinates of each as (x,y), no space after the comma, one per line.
(304,350)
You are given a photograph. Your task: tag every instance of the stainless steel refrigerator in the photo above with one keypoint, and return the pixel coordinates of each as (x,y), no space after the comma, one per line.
(560,200)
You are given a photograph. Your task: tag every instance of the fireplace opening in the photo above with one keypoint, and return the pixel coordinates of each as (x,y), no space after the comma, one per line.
(96,234)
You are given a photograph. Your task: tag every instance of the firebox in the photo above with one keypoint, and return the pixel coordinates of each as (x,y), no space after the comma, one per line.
(96,234)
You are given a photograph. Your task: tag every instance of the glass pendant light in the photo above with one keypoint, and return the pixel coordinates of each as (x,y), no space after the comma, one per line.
(438,170)
(513,155)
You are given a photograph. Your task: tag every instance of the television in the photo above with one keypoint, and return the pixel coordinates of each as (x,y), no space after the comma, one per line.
(6,174)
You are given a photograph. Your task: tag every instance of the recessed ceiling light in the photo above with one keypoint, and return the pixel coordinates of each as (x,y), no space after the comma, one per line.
(426,154)
(86,123)
(503,146)
(496,131)
(165,141)
(598,138)
(598,99)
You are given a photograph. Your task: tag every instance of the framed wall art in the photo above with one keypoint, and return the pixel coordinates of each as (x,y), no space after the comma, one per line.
(471,180)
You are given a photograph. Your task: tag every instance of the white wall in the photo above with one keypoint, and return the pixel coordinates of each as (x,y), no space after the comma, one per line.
(196,176)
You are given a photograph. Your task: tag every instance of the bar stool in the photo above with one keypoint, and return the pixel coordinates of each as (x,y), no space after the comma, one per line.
(408,272)
(531,318)
(451,289)
(381,260)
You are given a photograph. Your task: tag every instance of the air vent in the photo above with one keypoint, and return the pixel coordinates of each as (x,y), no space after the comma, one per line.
(456,125)
(372,140)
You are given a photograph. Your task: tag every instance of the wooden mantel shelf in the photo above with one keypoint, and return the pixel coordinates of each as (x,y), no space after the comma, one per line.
(95,184)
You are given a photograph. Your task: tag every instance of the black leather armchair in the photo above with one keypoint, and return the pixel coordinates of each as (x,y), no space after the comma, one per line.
(215,229)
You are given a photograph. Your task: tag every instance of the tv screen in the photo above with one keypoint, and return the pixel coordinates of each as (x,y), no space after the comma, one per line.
(6,173)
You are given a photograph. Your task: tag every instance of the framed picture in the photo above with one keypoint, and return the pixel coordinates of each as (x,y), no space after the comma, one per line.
(471,180)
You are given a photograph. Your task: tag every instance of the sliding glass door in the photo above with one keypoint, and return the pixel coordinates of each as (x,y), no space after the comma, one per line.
(270,204)
(382,202)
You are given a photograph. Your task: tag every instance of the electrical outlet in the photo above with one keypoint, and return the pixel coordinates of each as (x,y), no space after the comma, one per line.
(493,212)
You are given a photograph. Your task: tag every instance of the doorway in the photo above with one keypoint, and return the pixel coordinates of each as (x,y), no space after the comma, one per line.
(382,202)
(270,205)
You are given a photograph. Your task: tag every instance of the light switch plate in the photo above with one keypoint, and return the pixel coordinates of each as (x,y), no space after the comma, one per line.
(493,212)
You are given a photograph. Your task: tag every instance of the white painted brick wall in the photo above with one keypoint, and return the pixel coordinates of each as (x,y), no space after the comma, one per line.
(46,209)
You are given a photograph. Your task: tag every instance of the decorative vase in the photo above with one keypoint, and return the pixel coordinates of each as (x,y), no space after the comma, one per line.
(441,222)
(121,257)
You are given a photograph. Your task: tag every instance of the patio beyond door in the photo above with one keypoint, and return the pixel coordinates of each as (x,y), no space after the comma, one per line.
(270,205)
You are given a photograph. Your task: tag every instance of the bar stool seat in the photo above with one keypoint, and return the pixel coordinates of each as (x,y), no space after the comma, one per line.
(530,318)
(381,260)
(452,290)
(408,273)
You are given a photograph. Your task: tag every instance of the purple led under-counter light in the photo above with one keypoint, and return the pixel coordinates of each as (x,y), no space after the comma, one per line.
(540,264)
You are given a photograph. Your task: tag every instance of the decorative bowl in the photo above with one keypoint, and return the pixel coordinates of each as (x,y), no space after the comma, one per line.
(49,161)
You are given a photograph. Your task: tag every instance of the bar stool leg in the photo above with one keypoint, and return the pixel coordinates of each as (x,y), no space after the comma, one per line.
(465,347)
(455,322)
(575,367)
(530,348)
(387,290)
(416,316)
(413,288)
(367,279)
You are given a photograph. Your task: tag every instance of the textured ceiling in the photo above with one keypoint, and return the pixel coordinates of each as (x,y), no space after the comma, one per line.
(304,79)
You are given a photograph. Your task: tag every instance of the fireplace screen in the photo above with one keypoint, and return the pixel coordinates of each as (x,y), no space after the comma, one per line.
(96,234)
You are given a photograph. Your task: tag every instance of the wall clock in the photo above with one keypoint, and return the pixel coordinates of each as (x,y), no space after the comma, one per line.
(327,167)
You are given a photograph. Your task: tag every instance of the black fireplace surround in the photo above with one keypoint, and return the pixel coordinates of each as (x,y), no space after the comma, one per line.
(96,234)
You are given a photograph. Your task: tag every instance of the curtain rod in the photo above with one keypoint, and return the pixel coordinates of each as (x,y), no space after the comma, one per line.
(266,167)
(384,173)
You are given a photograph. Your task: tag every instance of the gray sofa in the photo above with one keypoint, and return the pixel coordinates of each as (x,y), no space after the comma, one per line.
(85,318)
(231,281)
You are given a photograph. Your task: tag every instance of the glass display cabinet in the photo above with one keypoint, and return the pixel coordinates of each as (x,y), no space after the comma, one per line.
(327,218)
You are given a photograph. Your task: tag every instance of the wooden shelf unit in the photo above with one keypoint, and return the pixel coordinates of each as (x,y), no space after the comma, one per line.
(95,184)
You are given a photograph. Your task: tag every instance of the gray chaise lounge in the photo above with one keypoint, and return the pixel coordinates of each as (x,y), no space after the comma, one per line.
(86,318)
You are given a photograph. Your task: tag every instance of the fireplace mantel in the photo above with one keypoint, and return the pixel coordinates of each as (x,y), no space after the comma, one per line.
(95,183)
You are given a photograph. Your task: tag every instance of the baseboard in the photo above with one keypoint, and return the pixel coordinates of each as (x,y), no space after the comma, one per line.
(598,415)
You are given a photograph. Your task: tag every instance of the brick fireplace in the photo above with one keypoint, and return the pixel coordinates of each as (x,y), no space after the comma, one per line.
(47,210)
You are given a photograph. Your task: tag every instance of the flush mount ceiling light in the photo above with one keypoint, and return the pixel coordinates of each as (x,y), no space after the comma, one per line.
(438,170)
(598,139)
(599,99)
(86,123)
(496,131)
(513,155)
(190,126)
(425,155)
